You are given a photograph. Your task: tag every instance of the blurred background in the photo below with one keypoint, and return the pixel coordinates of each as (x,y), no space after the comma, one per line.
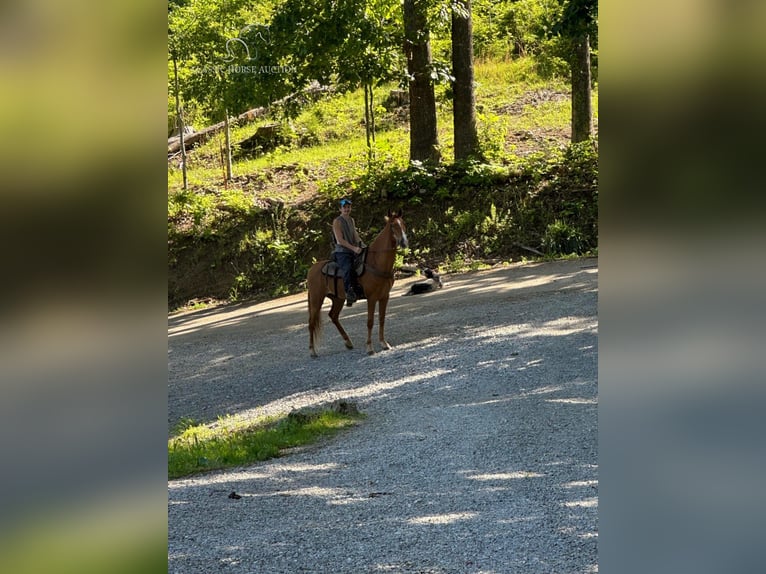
(682,277)
(83,340)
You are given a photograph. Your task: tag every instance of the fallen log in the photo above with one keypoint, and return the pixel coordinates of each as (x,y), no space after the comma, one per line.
(191,140)
(531,249)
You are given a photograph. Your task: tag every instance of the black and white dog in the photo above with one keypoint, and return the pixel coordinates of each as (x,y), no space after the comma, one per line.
(432,282)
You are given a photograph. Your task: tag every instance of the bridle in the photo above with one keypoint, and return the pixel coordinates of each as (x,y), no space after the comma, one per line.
(396,241)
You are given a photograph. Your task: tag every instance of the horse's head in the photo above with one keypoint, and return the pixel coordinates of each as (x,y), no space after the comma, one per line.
(398,228)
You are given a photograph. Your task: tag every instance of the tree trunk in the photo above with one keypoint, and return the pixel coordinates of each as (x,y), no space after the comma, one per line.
(424,140)
(464,99)
(581,106)
(228,145)
(180,123)
(369,122)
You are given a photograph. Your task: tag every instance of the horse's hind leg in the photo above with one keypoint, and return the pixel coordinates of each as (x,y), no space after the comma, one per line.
(337,306)
(315,323)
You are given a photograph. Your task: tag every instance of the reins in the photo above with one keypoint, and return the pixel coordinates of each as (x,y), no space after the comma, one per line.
(379,273)
(380,250)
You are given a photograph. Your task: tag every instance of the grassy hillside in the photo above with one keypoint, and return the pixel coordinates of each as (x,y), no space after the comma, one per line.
(257,235)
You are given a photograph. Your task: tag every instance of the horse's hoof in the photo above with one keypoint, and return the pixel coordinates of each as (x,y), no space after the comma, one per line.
(349,345)
(370,351)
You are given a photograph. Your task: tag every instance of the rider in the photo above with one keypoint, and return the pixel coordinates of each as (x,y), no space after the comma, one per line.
(348,244)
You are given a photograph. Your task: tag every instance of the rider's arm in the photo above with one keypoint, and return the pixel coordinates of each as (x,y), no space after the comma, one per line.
(339,238)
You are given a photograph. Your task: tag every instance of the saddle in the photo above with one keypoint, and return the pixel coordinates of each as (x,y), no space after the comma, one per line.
(331,269)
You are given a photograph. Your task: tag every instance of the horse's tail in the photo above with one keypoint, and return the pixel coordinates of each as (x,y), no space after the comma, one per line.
(315,319)
(315,299)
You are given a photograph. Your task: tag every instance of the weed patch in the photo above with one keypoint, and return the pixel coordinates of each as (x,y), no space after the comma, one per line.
(231,442)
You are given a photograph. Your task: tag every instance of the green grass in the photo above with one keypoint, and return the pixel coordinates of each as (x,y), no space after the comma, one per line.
(232,442)
(336,126)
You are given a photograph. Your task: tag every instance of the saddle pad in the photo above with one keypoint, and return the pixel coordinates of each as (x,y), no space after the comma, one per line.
(331,269)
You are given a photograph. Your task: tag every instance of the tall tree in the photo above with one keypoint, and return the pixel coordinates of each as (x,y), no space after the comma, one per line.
(579,21)
(424,139)
(464,100)
(582,114)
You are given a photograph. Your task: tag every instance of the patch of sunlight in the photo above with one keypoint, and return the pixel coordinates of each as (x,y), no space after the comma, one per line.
(484,403)
(497,363)
(374,388)
(275,472)
(421,344)
(574,401)
(443,518)
(573,531)
(307,467)
(237,315)
(316,491)
(517,520)
(586,503)
(311,398)
(579,483)
(543,390)
(504,286)
(348,500)
(563,326)
(222,359)
(484,333)
(506,475)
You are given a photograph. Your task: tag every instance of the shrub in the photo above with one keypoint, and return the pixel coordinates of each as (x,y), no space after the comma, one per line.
(560,238)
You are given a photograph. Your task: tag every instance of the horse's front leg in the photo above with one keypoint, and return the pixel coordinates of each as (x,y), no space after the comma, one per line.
(337,307)
(370,321)
(382,304)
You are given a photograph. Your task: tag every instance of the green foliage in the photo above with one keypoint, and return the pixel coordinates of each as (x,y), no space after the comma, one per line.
(235,54)
(561,238)
(232,442)
(204,38)
(512,27)
(490,210)
(491,130)
(254,250)
(223,46)
(257,235)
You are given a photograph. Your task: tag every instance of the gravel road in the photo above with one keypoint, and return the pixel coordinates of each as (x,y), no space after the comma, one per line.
(478,454)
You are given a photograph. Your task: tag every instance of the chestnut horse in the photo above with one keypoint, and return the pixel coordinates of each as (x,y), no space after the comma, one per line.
(377,280)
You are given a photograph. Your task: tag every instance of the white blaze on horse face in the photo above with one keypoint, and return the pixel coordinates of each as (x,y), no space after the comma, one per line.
(403,239)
